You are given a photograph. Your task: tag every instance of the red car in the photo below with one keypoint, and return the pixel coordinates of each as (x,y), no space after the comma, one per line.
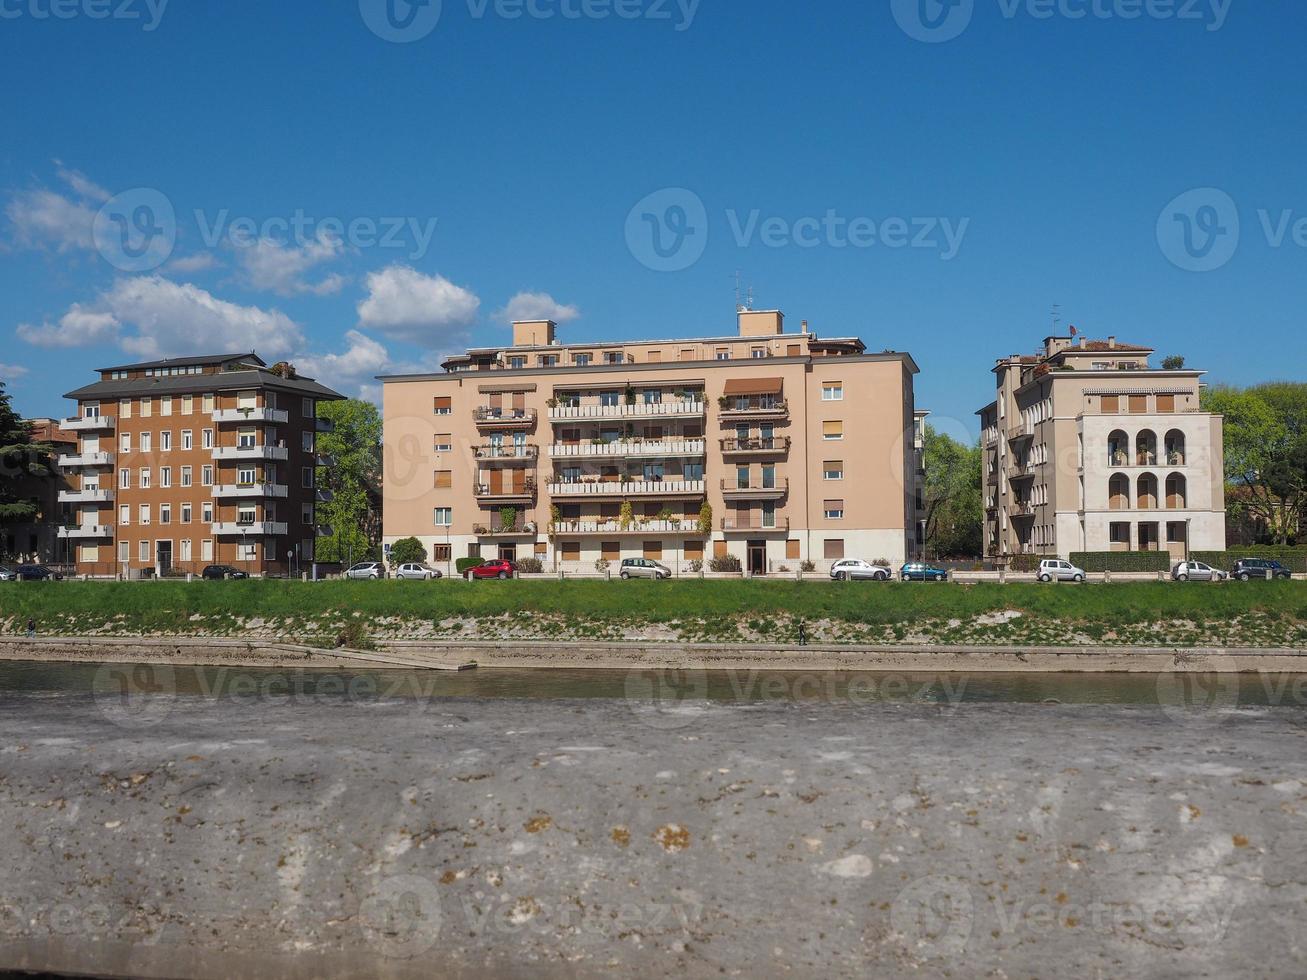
(493,569)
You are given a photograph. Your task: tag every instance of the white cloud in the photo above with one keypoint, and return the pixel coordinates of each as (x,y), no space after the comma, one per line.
(280,268)
(362,360)
(536,306)
(187,264)
(42,218)
(426,310)
(9,371)
(82,184)
(168,319)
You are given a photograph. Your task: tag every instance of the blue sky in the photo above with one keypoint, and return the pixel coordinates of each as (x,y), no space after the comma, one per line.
(1036,158)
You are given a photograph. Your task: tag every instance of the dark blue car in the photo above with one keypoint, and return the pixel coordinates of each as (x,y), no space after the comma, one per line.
(919,571)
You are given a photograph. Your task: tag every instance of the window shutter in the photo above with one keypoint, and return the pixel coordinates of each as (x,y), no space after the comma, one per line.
(1111,404)
(1166,403)
(1138,404)
(832,430)
(444,479)
(444,404)
(833,548)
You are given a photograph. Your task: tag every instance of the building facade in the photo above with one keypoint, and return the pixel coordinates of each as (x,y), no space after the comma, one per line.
(773,447)
(1090,448)
(194,461)
(39,540)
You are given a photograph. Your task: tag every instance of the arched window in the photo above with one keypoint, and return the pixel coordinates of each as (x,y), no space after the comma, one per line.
(1146,448)
(1146,494)
(1175,448)
(1177,492)
(1118,491)
(1118,449)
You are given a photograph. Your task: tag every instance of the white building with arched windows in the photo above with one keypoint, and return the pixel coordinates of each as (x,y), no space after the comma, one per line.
(1090,448)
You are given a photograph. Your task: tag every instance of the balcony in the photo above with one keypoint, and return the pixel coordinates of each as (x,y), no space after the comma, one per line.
(250,491)
(1019,508)
(325,531)
(505,418)
(83,460)
(742,408)
(324,459)
(733,525)
(1018,472)
(614,528)
(89,423)
(250,453)
(324,496)
(520,529)
(733,490)
(324,425)
(507,454)
(250,529)
(231,416)
(629,488)
(86,531)
(526,492)
(778,445)
(1020,432)
(85,496)
(632,449)
(638,410)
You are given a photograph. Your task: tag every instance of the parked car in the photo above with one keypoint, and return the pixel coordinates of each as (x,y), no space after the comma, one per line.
(214,572)
(7,574)
(1062,571)
(857,570)
(644,568)
(37,573)
(1247,568)
(369,570)
(919,571)
(414,571)
(1197,571)
(499,568)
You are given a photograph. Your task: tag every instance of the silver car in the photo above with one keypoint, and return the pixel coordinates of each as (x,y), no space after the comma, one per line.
(855,569)
(7,574)
(413,571)
(366,570)
(644,568)
(1063,571)
(1197,571)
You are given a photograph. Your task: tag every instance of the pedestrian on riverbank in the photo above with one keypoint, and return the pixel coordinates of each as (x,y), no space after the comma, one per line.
(803,634)
(31,628)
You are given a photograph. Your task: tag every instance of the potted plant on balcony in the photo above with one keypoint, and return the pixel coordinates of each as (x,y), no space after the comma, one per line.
(555,518)
(630,395)
(507,518)
(665,515)
(551,402)
(705,518)
(722,402)
(625,516)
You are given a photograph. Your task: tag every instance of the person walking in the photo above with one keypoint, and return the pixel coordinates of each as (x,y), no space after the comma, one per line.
(31,628)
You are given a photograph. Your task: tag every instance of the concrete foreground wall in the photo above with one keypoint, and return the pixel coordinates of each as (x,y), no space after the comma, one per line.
(573,838)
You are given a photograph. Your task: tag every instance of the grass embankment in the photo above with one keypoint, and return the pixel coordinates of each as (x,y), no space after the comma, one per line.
(1252,614)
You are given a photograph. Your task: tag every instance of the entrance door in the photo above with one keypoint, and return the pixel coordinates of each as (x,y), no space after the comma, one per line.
(508,552)
(757,557)
(163,556)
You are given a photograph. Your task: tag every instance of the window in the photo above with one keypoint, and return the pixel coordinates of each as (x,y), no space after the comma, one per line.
(186,476)
(515,363)
(653,550)
(833,510)
(1138,404)
(582,360)
(444,443)
(165,476)
(306,513)
(125,408)
(187,442)
(792,549)
(206,551)
(147,407)
(247,551)
(124,552)
(144,518)
(145,479)
(723,353)
(206,439)
(124,479)
(833,549)
(246,514)
(165,513)
(549,360)
(188,404)
(443,517)
(306,441)
(165,405)
(832,469)
(186,513)
(125,442)
(247,438)
(610,399)
(443,405)
(832,431)
(444,479)
(571,550)
(307,407)
(145,442)
(306,477)
(245,476)
(144,552)
(653,396)
(124,514)
(832,391)
(442,552)
(1111,404)
(613,357)
(206,476)
(758,352)
(1166,403)
(186,549)
(207,401)
(206,512)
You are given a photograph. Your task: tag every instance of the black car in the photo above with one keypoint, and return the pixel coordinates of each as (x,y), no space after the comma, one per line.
(1247,568)
(37,573)
(222,571)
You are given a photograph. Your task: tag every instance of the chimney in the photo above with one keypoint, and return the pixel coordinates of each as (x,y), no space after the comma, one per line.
(804,326)
(534,333)
(761,323)
(1111,343)
(1081,341)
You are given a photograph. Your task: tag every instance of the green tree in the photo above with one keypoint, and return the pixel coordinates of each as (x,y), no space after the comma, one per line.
(953,498)
(407,550)
(354,512)
(21,459)
(1173,363)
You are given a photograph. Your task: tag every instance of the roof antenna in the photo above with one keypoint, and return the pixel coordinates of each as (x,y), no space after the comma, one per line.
(1056,314)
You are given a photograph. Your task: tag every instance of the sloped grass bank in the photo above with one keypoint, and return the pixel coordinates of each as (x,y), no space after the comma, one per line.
(1236,614)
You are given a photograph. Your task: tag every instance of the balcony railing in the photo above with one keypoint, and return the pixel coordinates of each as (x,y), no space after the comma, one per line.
(325,531)
(324,459)
(229,529)
(249,491)
(222,453)
(324,496)
(88,423)
(80,460)
(1022,509)
(86,531)
(490,453)
(616,528)
(755,525)
(639,410)
(324,425)
(748,447)
(757,491)
(525,492)
(733,408)
(85,496)
(505,418)
(1019,431)
(635,448)
(275,416)
(631,488)
(517,530)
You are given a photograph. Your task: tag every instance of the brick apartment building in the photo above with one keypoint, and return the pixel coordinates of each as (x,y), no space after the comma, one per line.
(191,461)
(1090,448)
(804,448)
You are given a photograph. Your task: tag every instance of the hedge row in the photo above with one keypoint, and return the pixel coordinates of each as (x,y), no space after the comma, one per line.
(1121,561)
(1294,559)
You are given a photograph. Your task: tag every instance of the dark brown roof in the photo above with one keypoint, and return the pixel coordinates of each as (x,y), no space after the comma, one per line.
(1103,347)
(199,360)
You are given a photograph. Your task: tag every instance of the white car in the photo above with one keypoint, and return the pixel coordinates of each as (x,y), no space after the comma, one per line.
(644,568)
(1062,571)
(416,572)
(855,569)
(1197,571)
(366,570)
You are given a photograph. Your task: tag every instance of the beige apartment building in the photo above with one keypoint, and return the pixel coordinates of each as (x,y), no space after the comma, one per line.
(1090,448)
(770,446)
(194,461)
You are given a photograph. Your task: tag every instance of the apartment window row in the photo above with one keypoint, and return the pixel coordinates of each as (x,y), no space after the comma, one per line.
(1138,404)
(145,441)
